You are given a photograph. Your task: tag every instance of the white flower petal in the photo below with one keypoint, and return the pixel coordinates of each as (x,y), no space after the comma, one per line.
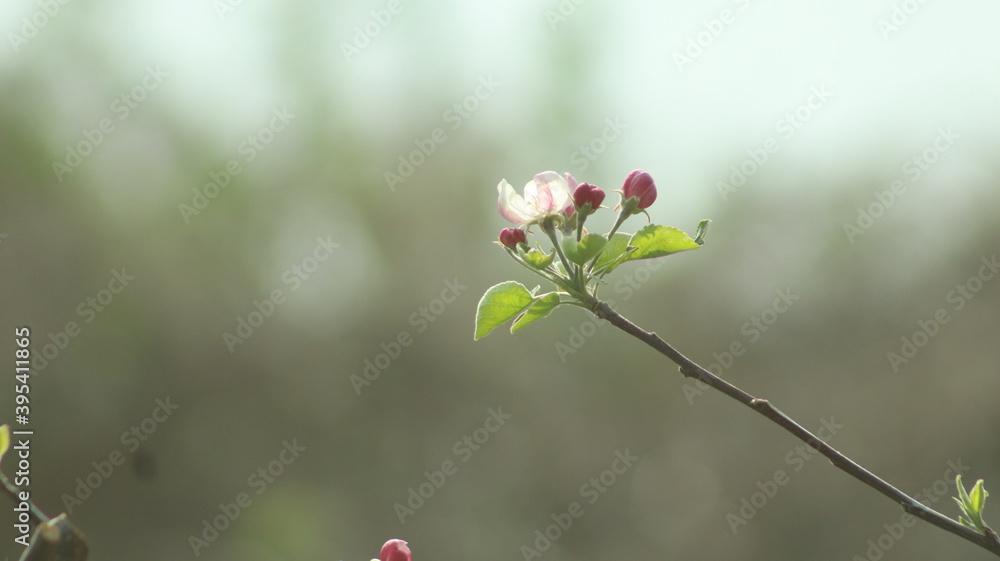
(512,206)
(553,192)
(548,193)
(531,194)
(571,183)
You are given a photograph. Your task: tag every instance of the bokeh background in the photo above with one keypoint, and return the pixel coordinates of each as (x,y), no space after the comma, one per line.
(852,98)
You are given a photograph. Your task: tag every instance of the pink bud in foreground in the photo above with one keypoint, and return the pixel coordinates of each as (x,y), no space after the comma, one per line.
(510,237)
(640,184)
(395,550)
(587,193)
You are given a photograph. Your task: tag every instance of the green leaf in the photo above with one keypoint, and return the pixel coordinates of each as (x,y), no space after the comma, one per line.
(978,497)
(499,304)
(615,253)
(541,307)
(963,496)
(585,250)
(4,440)
(539,260)
(971,504)
(699,234)
(656,241)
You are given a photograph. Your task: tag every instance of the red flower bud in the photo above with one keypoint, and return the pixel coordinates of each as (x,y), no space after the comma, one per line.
(395,550)
(510,237)
(640,184)
(587,193)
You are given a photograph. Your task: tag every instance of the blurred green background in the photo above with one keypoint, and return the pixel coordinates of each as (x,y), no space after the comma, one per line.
(311,104)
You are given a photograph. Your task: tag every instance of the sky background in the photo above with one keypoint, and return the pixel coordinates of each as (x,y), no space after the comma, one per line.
(171,169)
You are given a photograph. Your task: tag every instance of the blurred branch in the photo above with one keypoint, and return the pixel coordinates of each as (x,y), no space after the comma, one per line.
(55,539)
(36,513)
(690,369)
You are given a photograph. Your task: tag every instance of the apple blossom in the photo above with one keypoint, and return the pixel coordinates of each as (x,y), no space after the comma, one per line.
(548,193)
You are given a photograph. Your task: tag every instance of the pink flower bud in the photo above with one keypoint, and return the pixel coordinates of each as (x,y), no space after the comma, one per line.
(395,550)
(587,193)
(510,237)
(640,184)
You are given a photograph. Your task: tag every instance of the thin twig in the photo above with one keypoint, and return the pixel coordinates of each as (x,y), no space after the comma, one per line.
(691,369)
(36,513)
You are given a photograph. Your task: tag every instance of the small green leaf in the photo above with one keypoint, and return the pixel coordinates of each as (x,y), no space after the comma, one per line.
(570,249)
(699,234)
(971,504)
(963,496)
(656,241)
(539,260)
(614,253)
(585,250)
(4,440)
(542,307)
(978,497)
(499,304)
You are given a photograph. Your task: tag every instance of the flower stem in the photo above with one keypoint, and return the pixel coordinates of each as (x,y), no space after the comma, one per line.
(622,216)
(573,276)
(552,276)
(692,370)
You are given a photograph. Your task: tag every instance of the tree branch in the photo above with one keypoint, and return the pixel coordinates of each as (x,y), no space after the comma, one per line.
(36,513)
(690,369)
